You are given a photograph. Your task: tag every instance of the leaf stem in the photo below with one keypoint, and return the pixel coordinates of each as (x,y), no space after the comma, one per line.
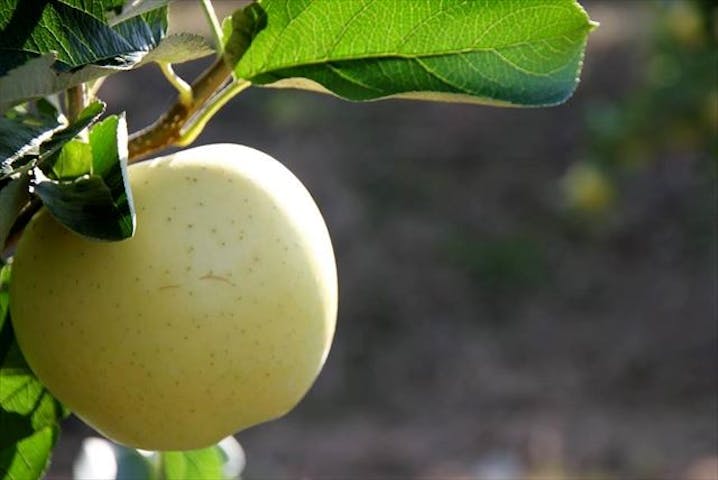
(95,88)
(183,88)
(199,121)
(166,131)
(214,25)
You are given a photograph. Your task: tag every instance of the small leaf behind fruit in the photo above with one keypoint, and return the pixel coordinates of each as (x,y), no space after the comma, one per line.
(205,464)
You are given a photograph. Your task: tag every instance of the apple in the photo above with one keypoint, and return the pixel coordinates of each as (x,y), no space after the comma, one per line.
(217,315)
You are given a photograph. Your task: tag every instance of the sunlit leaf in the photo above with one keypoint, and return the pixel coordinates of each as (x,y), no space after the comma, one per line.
(518,52)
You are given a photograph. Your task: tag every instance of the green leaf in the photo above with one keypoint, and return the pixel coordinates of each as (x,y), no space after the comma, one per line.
(29,457)
(75,160)
(517,52)
(79,38)
(47,47)
(37,77)
(29,415)
(43,147)
(87,117)
(61,155)
(204,464)
(22,132)
(98,204)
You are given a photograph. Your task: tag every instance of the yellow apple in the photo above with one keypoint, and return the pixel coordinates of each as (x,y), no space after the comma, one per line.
(217,315)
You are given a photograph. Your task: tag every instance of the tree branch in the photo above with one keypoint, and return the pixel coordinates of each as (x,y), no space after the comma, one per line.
(167,130)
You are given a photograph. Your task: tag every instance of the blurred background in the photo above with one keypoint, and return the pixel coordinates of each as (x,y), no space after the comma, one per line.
(524,293)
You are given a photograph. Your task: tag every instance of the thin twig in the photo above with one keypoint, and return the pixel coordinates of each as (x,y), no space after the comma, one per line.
(76,101)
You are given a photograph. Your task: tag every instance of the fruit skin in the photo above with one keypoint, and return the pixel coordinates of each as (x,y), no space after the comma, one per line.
(217,315)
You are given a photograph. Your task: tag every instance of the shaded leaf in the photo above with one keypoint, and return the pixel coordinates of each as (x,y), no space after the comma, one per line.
(132,8)
(47,47)
(37,78)
(31,29)
(44,147)
(4,296)
(509,52)
(87,117)
(98,204)
(14,195)
(22,132)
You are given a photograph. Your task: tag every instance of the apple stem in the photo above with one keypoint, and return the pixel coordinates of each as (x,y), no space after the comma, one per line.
(192,131)
(166,131)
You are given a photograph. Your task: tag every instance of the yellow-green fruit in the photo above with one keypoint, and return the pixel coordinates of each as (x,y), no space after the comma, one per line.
(217,315)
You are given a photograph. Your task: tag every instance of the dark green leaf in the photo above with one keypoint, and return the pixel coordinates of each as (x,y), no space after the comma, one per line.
(179,48)
(517,52)
(241,29)
(22,132)
(37,78)
(205,464)
(96,8)
(86,118)
(14,195)
(137,7)
(4,296)
(31,29)
(46,47)
(99,204)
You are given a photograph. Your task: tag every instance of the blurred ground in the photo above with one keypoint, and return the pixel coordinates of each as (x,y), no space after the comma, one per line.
(497,320)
